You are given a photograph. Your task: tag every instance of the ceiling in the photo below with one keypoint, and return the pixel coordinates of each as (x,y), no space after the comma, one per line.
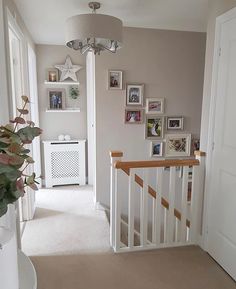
(45,19)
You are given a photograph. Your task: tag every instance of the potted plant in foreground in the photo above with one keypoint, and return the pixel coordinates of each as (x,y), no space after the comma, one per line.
(15,158)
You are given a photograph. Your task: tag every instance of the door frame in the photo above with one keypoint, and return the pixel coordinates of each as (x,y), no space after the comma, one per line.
(220,20)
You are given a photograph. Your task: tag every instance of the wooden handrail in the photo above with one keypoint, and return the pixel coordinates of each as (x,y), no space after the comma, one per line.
(116,154)
(156,164)
(153,193)
(199,153)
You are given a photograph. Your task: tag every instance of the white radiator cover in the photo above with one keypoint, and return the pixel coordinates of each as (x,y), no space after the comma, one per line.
(64,162)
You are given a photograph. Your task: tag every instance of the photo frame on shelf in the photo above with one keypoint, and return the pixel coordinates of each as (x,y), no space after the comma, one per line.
(156,149)
(115,79)
(134,94)
(178,145)
(154,127)
(56,98)
(174,122)
(133,116)
(155,105)
(52,75)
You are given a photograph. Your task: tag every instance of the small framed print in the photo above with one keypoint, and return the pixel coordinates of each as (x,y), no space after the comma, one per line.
(134,94)
(52,75)
(178,145)
(156,149)
(155,105)
(56,99)
(154,127)
(133,116)
(174,123)
(115,79)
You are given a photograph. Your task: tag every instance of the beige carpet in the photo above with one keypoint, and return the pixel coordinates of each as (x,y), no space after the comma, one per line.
(66,222)
(182,268)
(71,256)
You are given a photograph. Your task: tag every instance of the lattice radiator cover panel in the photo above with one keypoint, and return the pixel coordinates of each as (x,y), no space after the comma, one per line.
(64,163)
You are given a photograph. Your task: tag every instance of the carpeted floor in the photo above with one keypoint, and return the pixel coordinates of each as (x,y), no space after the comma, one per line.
(69,245)
(66,222)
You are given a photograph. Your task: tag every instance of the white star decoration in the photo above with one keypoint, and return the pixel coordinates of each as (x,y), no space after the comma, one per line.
(68,70)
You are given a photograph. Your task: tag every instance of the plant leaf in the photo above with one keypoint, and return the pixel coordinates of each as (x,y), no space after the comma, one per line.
(25,98)
(29,160)
(18,119)
(23,111)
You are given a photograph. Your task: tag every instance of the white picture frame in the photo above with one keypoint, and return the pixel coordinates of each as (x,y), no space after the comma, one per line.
(174,122)
(134,94)
(156,149)
(115,79)
(56,98)
(178,145)
(155,105)
(133,115)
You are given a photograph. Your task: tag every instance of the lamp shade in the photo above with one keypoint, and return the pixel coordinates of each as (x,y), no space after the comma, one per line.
(101,27)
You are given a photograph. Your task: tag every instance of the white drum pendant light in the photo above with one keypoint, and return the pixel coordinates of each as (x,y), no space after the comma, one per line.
(94,32)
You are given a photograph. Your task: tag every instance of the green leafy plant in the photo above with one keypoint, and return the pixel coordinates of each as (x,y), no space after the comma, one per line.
(15,158)
(74,92)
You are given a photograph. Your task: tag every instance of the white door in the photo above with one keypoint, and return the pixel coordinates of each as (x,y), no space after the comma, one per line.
(222,202)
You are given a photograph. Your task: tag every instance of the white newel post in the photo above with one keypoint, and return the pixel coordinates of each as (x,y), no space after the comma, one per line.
(114,156)
(8,252)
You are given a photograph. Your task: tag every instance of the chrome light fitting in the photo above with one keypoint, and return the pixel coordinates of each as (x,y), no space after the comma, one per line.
(94,32)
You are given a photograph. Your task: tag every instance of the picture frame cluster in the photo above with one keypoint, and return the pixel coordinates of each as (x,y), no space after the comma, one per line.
(165,133)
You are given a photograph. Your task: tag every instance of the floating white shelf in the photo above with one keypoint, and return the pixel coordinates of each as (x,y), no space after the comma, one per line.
(61,82)
(63,110)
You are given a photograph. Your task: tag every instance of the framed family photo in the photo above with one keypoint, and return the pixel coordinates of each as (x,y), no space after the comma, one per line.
(156,149)
(134,94)
(134,116)
(174,123)
(155,105)
(52,75)
(56,99)
(115,79)
(178,145)
(154,127)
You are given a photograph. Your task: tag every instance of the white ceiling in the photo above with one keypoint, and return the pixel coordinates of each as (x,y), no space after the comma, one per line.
(45,18)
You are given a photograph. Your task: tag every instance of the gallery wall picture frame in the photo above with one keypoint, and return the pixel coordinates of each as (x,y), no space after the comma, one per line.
(56,98)
(154,127)
(52,75)
(156,149)
(155,105)
(115,79)
(134,94)
(178,145)
(134,116)
(174,122)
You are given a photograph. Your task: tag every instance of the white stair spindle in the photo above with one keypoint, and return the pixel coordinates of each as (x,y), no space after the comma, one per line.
(117,215)
(171,217)
(131,209)
(144,209)
(159,190)
(183,234)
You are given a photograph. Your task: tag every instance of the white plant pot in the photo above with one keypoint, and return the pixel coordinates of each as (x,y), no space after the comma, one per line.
(7,226)
(8,253)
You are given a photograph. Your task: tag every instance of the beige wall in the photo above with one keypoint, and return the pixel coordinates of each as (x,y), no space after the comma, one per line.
(54,124)
(171,65)
(216,8)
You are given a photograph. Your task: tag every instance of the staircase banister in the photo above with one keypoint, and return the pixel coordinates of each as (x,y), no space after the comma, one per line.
(156,164)
(116,154)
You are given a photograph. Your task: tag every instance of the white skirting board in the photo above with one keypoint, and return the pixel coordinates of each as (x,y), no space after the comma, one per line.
(64,162)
